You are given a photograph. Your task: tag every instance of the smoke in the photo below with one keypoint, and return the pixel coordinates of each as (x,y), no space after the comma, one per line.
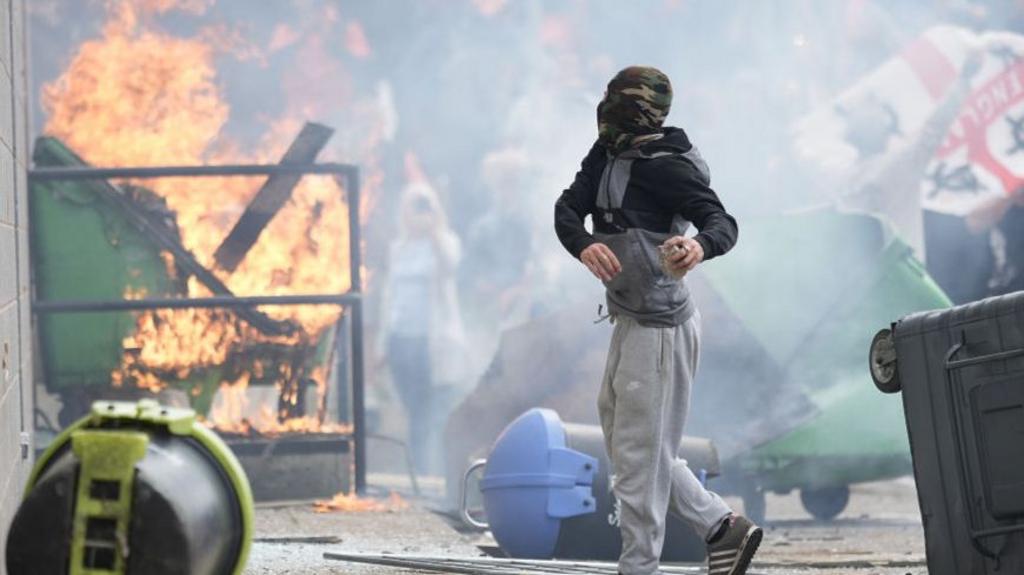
(459,83)
(455,81)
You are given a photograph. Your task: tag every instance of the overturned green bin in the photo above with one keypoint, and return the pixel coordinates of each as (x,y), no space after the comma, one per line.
(134,489)
(97,242)
(85,247)
(808,288)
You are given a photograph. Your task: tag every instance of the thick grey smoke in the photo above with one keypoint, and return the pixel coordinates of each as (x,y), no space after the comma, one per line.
(492,104)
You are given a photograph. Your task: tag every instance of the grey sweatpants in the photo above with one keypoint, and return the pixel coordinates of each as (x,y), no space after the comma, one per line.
(643,403)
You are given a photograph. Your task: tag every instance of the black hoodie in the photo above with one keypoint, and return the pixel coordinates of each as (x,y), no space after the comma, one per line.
(674,183)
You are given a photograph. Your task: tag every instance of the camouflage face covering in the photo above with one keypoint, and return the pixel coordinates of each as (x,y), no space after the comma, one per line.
(635,104)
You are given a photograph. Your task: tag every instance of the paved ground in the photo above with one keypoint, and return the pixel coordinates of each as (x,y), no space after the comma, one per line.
(879,534)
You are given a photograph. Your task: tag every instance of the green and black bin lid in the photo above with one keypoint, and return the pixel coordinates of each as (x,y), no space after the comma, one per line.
(133,489)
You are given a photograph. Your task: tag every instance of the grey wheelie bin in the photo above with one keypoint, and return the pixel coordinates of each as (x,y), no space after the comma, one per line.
(961,371)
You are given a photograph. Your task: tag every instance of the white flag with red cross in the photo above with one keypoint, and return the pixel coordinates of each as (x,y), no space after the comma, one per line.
(981,160)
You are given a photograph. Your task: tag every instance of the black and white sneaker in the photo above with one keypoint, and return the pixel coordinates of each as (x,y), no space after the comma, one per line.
(730,553)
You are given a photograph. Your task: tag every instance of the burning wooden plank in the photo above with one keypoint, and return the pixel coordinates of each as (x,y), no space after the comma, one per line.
(272,197)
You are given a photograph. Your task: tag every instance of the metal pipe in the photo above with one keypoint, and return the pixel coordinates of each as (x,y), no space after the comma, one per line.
(88,173)
(342,364)
(87,306)
(496,565)
(355,273)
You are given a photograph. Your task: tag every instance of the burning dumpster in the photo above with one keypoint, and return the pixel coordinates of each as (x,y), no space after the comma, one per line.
(961,373)
(547,492)
(125,309)
(95,241)
(85,248)
(134,476)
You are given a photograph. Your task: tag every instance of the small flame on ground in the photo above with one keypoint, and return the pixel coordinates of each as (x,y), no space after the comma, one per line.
(352,503)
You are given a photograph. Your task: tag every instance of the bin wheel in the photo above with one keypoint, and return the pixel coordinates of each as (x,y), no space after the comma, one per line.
(883,363)
(754,505)
(825,503)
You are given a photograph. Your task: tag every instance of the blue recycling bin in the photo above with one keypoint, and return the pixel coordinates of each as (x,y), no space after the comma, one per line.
(546,492)
(532,482)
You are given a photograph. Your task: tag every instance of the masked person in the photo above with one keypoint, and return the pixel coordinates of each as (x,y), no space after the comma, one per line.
(643,185)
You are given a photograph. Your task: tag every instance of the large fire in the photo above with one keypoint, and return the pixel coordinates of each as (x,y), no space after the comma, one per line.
(138,96)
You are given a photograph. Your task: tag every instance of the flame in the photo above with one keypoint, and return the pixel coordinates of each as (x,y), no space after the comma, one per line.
(356,42)
(283,37)
(162,6)
(232,412)
(351,503)
(125,93)
(138,96)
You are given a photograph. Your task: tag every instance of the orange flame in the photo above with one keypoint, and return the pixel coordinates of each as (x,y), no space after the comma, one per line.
(137,96)
(351,503)
(356,42)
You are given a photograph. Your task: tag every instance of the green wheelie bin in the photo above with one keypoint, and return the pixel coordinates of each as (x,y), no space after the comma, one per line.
(809,288)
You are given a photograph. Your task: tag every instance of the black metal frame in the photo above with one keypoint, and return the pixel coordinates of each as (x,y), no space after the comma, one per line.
(352,299)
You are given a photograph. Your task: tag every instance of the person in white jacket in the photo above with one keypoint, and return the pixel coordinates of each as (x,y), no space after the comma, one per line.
(421,326)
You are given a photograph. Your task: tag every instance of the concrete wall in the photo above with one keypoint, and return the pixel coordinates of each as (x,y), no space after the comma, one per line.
(15,321)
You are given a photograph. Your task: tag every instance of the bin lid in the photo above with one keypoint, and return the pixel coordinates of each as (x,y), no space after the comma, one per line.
(980,311)
(532,481)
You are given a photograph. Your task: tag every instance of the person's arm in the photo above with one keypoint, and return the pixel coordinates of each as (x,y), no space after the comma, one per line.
(448,249)
(576,203)
(694,199)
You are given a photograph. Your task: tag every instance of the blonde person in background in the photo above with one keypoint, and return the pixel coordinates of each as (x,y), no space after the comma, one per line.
(421,329)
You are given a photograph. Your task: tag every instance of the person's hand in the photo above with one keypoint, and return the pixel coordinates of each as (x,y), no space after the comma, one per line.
(601,261)
(691,254)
